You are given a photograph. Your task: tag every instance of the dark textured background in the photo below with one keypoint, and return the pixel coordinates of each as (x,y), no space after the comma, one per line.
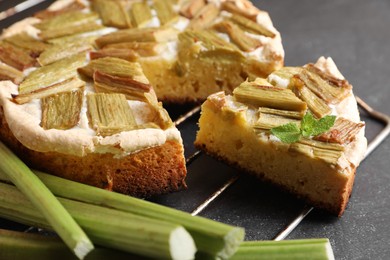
(356,34)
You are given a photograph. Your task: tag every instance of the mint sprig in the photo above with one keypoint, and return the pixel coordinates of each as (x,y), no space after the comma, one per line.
(288,133)
(291,133)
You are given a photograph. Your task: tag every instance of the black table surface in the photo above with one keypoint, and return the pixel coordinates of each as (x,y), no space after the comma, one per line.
(356,34)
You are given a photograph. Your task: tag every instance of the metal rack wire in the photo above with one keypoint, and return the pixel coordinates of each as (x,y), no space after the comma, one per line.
(18,7)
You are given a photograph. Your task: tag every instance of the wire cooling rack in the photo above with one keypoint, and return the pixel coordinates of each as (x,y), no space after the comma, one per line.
(12,11)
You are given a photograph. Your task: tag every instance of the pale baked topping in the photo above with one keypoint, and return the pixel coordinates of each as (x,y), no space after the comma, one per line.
(24,121)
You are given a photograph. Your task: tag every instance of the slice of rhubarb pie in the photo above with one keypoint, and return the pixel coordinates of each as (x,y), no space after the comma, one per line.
(298,129)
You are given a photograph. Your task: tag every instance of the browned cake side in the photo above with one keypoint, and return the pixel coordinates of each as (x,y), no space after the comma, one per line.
(154,170)
(337,208)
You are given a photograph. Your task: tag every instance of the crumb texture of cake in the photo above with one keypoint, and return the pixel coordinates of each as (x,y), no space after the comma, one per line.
(319,169)
(87,113)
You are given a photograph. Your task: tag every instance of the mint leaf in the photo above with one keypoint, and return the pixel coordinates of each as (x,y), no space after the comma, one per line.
(323,125)
(308,124)
(288,133)
(312,127)
(291,133)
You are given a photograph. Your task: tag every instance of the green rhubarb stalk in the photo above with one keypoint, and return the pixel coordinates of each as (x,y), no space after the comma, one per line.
(211,237)
(21,245)
(18,245)
(41,197)
(315,249)
(107,227)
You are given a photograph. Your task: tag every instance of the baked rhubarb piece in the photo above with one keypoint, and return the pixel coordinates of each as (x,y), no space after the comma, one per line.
(298,129)
(88,117)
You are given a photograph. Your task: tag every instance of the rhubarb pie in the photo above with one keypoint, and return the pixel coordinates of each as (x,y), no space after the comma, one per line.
(83,113)
(272,129)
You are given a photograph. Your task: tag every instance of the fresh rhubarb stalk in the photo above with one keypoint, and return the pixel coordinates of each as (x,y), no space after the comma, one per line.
(22,245)
(106,227)
(213,238)
(318,248)
(47,204)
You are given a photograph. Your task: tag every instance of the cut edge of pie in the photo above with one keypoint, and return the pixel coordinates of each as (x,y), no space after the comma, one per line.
(319,169)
